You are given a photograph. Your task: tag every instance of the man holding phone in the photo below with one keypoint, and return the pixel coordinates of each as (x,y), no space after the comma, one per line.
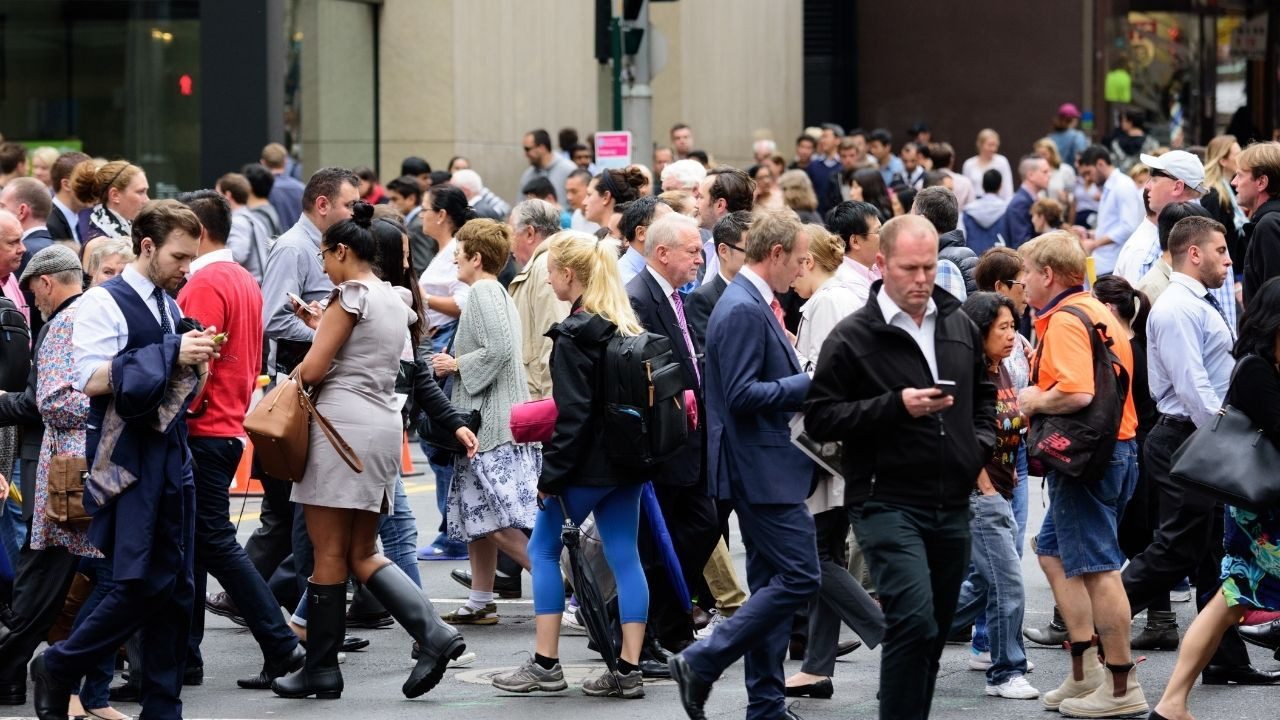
(903,382)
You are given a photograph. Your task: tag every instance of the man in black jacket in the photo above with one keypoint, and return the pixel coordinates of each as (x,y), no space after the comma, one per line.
(672,259)
(729,236)
(1257,184)
(912,451)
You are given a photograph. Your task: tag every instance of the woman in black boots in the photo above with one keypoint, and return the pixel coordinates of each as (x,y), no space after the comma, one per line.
(354,360)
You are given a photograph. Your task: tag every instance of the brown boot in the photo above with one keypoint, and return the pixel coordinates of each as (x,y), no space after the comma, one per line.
(76,595)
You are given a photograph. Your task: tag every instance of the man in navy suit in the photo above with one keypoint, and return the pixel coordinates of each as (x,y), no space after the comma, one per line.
(753,385)
(672,256)
(729,236)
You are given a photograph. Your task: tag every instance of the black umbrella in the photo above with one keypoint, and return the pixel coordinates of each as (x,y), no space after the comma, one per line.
(591,604)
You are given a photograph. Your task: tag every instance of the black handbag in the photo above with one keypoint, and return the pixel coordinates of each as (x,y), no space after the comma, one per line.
(1230,459)
(442,438)
(1078,446)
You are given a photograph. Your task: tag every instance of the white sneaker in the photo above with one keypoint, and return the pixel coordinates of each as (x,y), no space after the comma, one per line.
(716,619)
(979,661)
(1015,688)
(569,620)
(1030,665)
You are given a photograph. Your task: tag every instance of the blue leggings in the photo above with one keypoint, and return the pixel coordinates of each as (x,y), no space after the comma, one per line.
(617,511)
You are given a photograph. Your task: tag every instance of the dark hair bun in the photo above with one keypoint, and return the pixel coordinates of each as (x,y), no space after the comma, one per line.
(362,214)
(634,178)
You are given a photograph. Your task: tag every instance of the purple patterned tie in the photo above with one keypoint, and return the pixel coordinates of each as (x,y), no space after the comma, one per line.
(684,330)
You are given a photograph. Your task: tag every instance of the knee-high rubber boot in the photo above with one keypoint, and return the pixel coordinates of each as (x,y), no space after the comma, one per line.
(438,642)
(326,625)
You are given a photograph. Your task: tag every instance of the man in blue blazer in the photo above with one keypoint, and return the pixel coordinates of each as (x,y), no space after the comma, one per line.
(753,385)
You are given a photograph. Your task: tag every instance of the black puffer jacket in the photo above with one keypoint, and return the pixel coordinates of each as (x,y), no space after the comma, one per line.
(576,455)
(856,396)
(951,246)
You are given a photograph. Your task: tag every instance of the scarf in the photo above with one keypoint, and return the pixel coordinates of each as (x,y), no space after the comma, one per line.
(109,223)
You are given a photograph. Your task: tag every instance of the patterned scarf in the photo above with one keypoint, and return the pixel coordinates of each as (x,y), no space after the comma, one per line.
(109,223)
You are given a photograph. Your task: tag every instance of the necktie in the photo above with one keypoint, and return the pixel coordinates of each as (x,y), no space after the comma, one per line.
(165,326)
(776,307)
(1218,306)
(684,330)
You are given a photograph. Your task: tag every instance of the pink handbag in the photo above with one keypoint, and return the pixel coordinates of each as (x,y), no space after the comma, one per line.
(535,420)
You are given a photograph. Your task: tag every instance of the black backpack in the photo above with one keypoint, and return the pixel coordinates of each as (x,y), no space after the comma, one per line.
(15,347)
(644,413)
(1078,446)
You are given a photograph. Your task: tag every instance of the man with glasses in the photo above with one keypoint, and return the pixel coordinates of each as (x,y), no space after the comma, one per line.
(545,163)
(729,235)
(858,225)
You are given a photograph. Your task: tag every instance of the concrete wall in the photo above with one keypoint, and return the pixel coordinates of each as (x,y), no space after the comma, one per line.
(338,83)
(986,63)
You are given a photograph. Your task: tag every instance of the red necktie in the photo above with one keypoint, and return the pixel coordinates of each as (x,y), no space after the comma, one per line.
(777,312)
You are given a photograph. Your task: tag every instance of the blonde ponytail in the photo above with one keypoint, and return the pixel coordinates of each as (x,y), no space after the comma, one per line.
(595,264)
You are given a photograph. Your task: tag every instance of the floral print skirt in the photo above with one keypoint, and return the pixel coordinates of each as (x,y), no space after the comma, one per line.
(1251,568)
(495,490)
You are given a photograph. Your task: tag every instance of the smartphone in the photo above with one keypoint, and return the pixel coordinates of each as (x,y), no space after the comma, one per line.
(303,303)
(947,387)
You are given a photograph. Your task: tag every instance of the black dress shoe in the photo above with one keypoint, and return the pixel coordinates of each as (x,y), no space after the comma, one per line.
(506,586)
(273,669)
(654,670)
(1266,635)
(847,646)
(220,603)
(193,675)
(13,694)
(1240,675)
(371,621)
(126,692)
(694,691)
(821,690)
(51,697)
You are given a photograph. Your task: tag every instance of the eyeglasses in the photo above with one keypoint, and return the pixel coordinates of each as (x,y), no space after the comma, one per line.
(734,247)
(1011,283)
(320,255)
(529,148)
(1161,174)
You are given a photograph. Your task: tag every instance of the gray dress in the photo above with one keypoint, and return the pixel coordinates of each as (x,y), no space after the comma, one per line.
(358,398)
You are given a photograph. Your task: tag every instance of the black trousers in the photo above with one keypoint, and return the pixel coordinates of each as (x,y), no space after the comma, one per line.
(918,557)
(690,516)
(40,587)
(270,544)
(1187,543)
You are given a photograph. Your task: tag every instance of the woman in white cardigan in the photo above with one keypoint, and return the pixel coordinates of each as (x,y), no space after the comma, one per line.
(494,495)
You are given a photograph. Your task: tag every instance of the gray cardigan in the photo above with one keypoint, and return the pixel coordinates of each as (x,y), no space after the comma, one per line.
(490,361)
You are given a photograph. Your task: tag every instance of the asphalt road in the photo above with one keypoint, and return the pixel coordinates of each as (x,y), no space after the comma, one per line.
(373,677)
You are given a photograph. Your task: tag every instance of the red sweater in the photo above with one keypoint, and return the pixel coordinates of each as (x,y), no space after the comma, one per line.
(224,295)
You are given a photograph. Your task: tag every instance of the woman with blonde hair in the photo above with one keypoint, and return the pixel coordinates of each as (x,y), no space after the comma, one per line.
(42,160)
(1062,177)
(989,158)
(584,271)
(1219,167)
(798,194)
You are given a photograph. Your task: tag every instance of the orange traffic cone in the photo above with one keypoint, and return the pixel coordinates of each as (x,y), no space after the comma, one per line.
(406,462)
(245,485)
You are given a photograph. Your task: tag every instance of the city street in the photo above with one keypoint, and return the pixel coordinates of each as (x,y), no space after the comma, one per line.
(373,677)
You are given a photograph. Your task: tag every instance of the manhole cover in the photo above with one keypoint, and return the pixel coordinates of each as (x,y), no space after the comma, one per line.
(573,674)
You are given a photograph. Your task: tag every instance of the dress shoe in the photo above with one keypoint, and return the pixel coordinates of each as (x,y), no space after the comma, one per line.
(1160,632)
(126,692)
(193,675)
(273,669)
(701,618)
(1053,635)
(847,646)
(1266,635)
(822,690)
(51,697)
(220,603)
(654,670)
(1240,675)
(505,586)
(371,621)
(961,636)
(694,691)
(13,693)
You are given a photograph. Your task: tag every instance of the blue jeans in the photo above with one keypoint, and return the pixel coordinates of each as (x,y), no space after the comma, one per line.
(994,587)
(13,529)
(97,682)
(1080,528)
(399,533)
(443,473)
(1019,502)
(617,513)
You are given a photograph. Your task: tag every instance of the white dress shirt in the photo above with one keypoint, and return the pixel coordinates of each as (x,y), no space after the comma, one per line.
(1189,359)
(667,290)
(858,278)
(922,333)
(758,283)
(100,329)
(1132,260)
(1119,213)
(441,279)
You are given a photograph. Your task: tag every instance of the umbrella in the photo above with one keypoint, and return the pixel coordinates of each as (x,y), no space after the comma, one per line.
(591,603)
(658,527)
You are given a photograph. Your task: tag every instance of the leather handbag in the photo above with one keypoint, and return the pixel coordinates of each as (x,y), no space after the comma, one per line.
(65,504)
(533,421)
(442,439)
(280,428)
(1232,460)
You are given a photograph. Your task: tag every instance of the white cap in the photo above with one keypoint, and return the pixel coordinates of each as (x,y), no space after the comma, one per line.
(1180,164)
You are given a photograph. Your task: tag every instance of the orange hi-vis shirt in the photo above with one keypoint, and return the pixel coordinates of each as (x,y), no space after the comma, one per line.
(1066,361)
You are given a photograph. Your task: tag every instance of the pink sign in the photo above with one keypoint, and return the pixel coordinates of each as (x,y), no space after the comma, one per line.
(613,149)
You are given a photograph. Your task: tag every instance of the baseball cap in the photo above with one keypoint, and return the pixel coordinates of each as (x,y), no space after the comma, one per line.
(1180,164)
(1068,110)
(50,261)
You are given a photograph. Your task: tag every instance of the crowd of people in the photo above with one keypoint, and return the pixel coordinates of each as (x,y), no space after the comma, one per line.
(876,353)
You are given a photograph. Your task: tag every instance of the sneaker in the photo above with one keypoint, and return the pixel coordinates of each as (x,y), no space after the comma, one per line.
(431,552)
(1030,665)
(569,620)
(717,618)
(615,684)
(530,677)
(1015,688)
(980,661)
(467,615)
